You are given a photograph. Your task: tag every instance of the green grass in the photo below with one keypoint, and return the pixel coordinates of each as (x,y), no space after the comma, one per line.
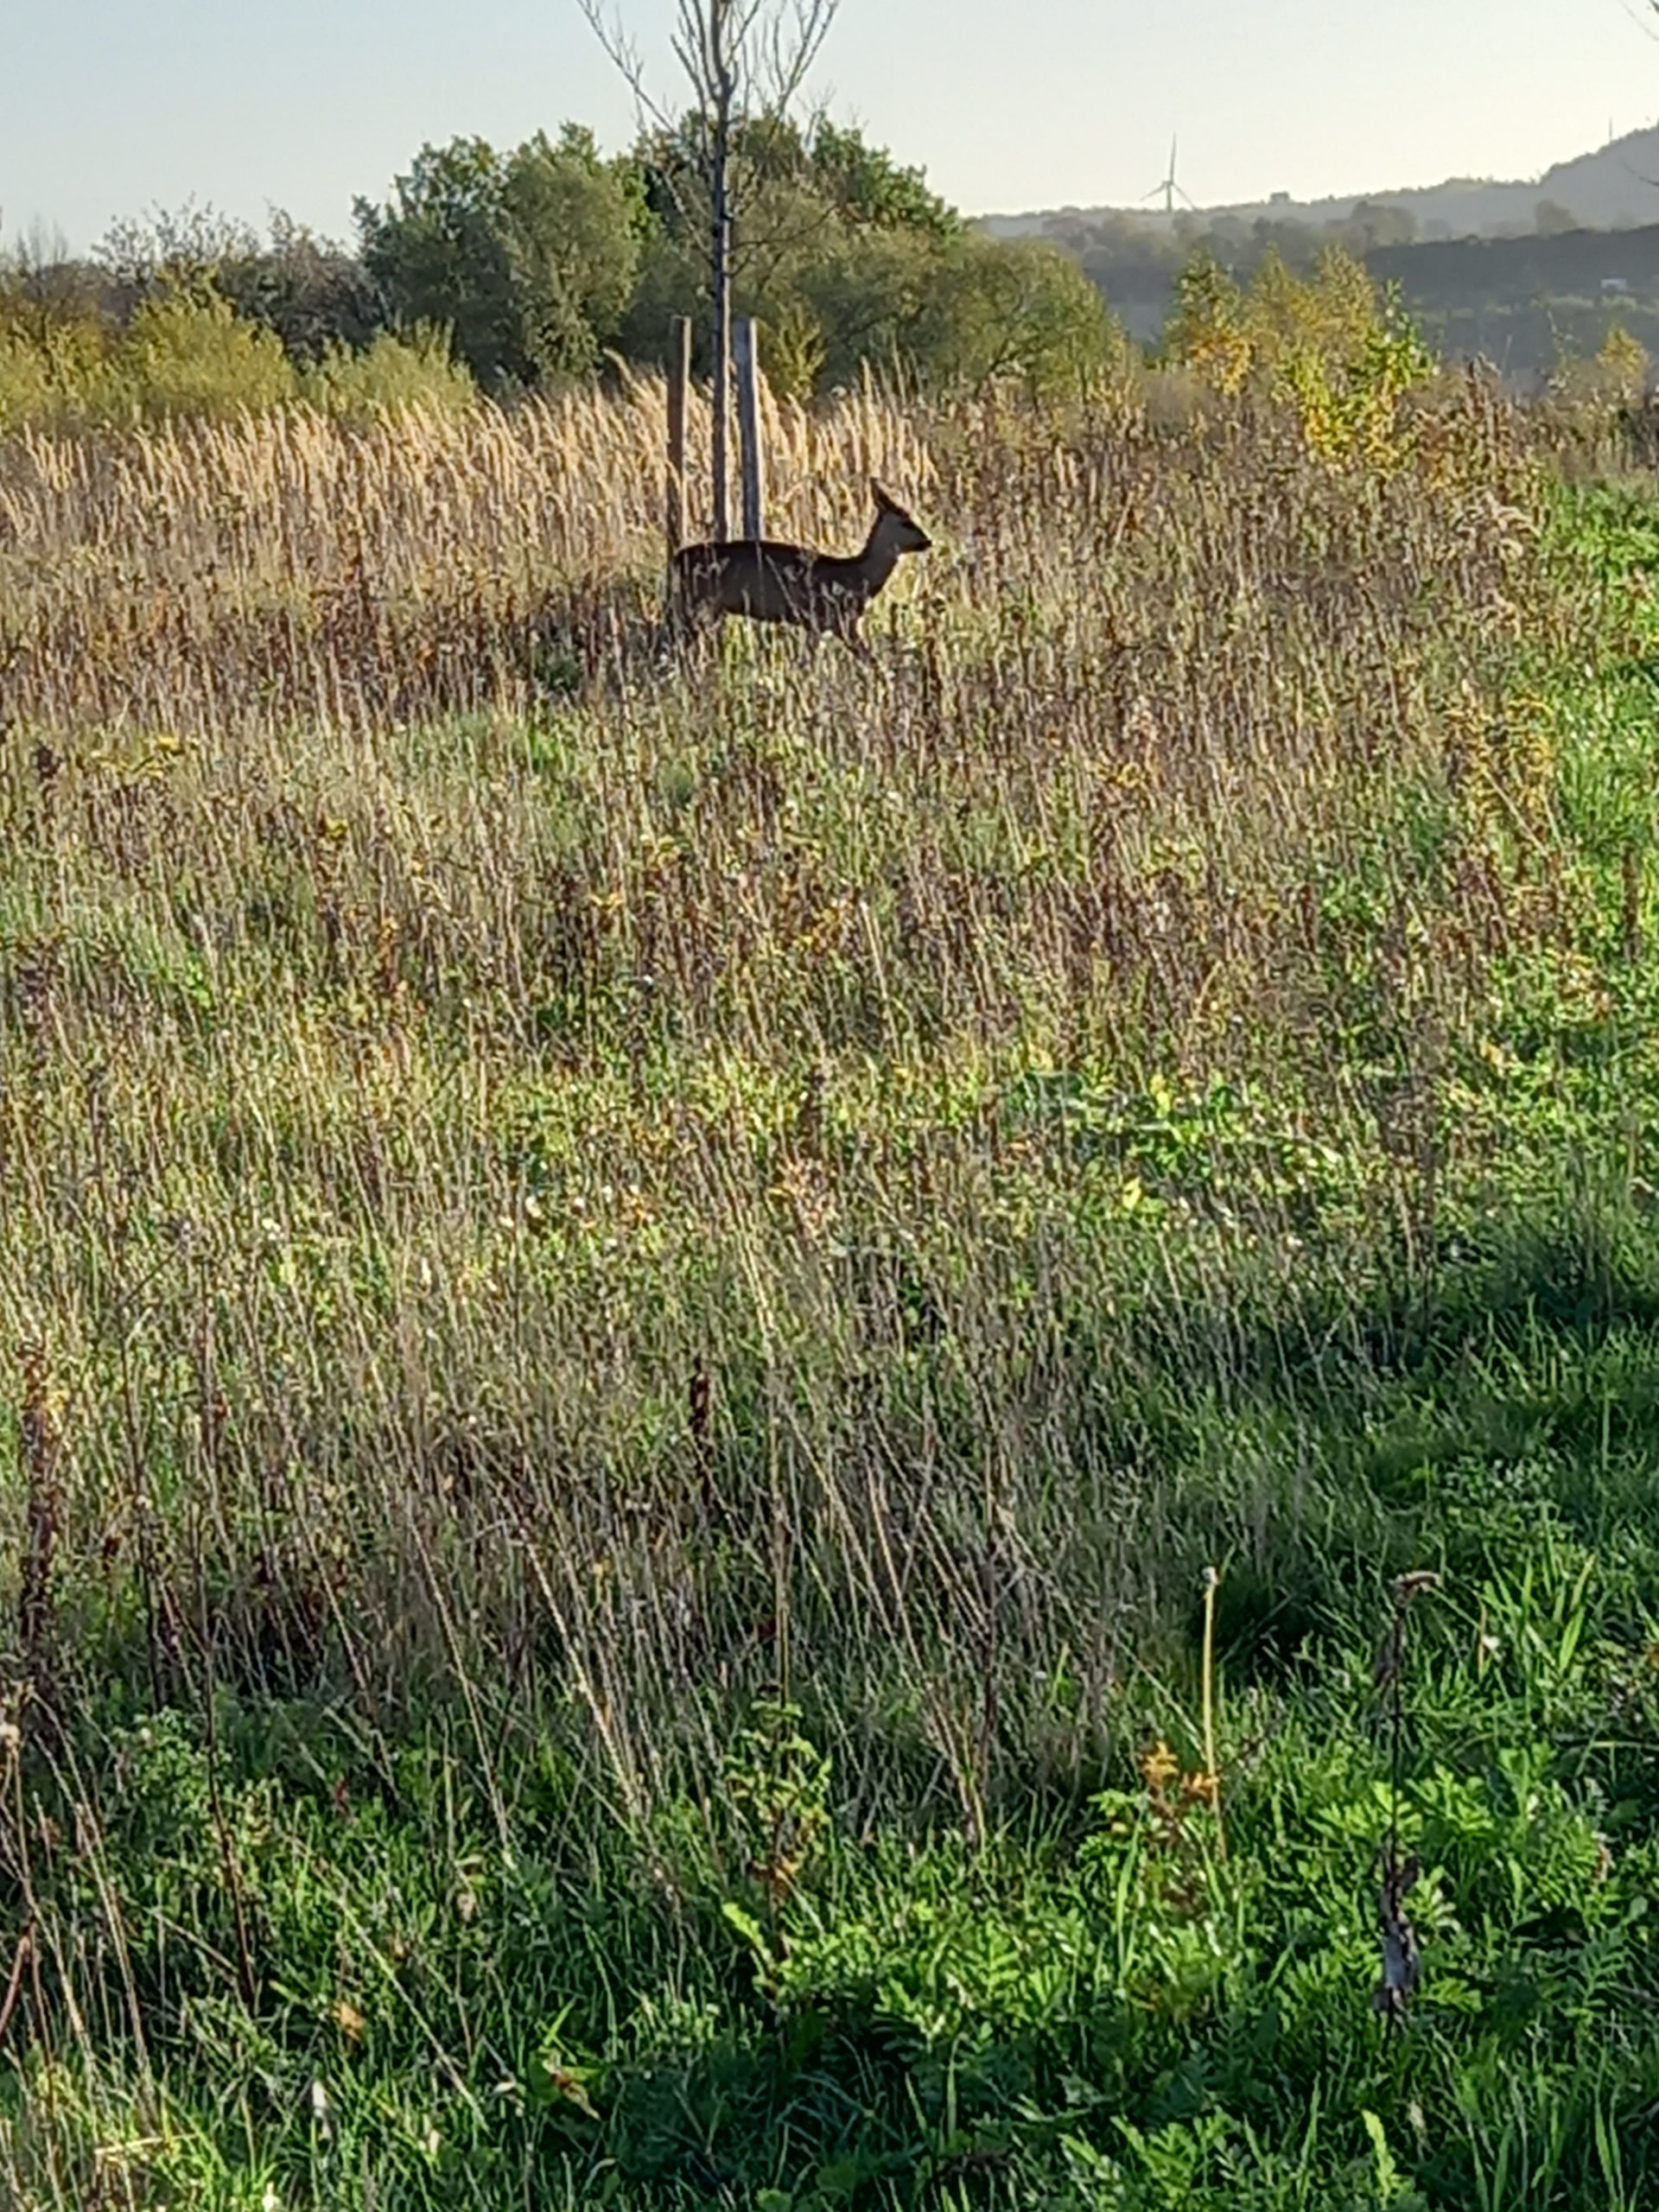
(501,1997)
(639,1313)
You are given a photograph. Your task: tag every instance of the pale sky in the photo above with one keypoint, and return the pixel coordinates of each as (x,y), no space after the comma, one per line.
(109,107)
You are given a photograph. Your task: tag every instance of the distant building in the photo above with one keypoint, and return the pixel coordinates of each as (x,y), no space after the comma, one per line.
(1614,288)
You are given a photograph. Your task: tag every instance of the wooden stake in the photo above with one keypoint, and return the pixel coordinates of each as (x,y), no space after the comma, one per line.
(748,407)
(679,384)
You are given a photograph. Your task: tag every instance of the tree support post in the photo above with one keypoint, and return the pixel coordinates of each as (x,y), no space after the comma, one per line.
(679,385)
(749,410)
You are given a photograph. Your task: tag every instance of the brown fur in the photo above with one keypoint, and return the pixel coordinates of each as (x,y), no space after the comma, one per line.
(769,581)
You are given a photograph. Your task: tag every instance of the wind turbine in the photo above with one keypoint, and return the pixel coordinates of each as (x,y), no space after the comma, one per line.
(1170,189)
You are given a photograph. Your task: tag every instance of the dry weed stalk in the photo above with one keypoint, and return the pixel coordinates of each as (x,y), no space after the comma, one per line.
(38,1449)
(1402,1957)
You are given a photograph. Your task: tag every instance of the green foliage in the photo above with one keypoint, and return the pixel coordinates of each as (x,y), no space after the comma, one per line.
(1344,355)
(414,370)
(1623,361)
(1124,2017)
(870,190)
(528,258)
(52,341)
(792,183)
(536,261)
(218,325)
(1208,332)
(778,1783)
(311,292)
(190,353)
(185,351)
(1021,310)
(573,224)
(34,376)
(315,295)
(1512,299)
(848,260)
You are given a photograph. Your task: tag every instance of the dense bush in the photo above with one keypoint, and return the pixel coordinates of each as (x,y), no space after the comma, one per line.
(531,266)
(186,351)
(416,370)
(1330,343)
(847,260)
(530,258)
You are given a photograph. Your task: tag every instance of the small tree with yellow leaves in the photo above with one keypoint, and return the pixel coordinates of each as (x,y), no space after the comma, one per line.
(1340,354)
(1622,362)
(1209,331)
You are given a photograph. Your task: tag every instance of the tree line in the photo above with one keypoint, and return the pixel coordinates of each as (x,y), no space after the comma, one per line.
(529,266)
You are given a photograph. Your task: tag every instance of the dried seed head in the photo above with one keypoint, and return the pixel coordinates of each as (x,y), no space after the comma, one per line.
(1408,1586)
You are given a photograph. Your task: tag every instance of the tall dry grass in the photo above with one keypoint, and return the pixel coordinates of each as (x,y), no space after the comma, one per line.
(409,566)
(601,1188)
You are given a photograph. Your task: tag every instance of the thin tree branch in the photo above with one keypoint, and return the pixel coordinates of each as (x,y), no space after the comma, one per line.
(761,50)
(625,58)
(791,59)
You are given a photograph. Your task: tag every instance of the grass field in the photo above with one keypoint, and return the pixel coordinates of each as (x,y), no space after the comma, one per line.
(636,1305)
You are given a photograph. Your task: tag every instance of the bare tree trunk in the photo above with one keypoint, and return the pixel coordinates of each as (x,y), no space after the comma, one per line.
(720,242)
(742,58)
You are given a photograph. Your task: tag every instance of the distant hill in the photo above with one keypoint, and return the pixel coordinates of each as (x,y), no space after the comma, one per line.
(1615,187)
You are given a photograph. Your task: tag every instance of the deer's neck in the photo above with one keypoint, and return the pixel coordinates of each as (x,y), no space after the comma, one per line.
(880,557)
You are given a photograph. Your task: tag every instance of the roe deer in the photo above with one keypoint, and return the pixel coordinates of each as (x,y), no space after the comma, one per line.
(825,593)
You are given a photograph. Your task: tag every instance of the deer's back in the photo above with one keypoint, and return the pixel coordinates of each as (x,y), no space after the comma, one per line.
(767,580)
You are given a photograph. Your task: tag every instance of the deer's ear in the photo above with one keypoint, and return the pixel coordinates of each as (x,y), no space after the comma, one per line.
(883,500)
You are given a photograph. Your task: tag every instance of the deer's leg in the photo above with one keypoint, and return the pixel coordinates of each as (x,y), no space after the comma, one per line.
(696,624)
(846,627)
(670,627)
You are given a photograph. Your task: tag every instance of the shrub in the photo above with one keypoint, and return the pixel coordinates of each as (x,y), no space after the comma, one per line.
(1022,309)
(1340,352)
(52,339)
(416,370)
(27,390)
(530,258)
(188,353)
